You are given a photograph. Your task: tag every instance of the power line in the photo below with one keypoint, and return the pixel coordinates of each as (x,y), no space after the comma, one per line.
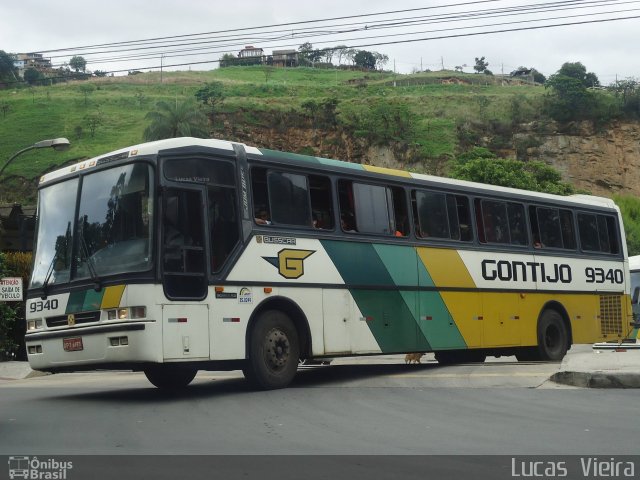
(438,18)
(199,51)
(423,39)
(380,25)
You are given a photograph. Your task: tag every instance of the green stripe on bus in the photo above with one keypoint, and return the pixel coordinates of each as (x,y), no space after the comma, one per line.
(288,155)
(391,321)
(75,302)
(337,163)
(358,263)
(428,308)
(84,301)
(401,262)
(437,324)
(92,300)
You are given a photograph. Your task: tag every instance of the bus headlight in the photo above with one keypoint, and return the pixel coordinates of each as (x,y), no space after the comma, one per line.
(34,324)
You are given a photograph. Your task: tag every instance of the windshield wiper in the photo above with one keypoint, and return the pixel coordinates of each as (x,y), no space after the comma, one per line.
(90,264)
(47,277)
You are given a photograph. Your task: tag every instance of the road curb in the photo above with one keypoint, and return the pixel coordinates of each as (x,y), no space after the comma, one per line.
(597,379)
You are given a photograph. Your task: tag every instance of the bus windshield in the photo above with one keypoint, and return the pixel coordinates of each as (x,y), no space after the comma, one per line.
(112,233)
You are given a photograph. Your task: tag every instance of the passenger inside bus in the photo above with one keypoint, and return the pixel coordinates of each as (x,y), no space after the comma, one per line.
(347,222)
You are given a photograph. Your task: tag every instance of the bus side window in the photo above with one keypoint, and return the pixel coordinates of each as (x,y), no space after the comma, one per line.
(346,205)
(636,295)
(260,196)
(321,202)
(289,199)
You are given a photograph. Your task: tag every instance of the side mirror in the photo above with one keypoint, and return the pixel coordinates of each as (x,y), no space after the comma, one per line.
(636,295)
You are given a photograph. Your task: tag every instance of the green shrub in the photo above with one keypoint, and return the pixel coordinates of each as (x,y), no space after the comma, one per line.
(12,318)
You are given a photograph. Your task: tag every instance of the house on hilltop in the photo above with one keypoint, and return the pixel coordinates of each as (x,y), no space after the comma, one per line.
(250,51)
(23,61)
(285,58)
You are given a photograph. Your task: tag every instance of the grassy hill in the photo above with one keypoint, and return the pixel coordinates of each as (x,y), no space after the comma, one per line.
(435,106)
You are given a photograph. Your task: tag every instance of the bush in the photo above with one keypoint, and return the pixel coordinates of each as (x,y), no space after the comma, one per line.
(12,315)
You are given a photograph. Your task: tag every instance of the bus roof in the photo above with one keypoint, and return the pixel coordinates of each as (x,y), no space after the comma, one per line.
(634,263)
(151,148)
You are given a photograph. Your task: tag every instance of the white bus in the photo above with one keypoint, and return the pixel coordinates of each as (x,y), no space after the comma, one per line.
(188,254)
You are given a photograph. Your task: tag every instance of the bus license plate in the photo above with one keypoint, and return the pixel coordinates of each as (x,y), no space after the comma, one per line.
(72,344)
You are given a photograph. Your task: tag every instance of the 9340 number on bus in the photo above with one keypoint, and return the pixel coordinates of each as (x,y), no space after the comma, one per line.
(600,275)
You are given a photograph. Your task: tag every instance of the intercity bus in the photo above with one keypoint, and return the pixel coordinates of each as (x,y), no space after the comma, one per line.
(188,254)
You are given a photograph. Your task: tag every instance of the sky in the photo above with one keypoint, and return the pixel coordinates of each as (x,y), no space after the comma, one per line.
(607,48)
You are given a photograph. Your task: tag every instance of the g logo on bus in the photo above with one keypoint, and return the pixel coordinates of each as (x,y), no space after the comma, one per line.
(71,319)
(289,262)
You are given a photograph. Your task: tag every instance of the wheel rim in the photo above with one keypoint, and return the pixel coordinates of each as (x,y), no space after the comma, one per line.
(552,339)
(276,349)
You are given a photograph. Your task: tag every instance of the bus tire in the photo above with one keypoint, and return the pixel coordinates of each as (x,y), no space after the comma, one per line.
(274,351)
(170,376)
(553,338)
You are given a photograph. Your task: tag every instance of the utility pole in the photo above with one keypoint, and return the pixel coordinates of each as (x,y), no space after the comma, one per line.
(161,59)
(502,76)
(421,64)
(442,62)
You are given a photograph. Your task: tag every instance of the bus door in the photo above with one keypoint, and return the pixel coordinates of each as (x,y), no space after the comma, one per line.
(184,273)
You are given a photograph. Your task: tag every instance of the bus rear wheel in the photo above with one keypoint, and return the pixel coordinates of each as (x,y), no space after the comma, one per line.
(274,351)
(169,376)
(553,338)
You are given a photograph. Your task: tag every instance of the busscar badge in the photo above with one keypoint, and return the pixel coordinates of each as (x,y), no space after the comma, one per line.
(71,319)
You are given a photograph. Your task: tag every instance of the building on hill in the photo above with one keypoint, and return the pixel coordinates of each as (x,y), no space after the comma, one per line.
(17,225)
(22,61)
(250,51)
(285,58)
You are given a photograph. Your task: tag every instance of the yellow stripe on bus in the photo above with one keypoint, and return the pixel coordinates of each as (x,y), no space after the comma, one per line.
(112,296)
(445,267)
(387,171)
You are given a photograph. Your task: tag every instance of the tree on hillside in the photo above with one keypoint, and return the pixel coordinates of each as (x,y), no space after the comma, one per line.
(630,211)
(365,59)
(536,176)
(227,60)
(32,76)
(569,98)
(212,95)
(381,59)
(7,69)
(340,51)
(87,89)
(176,119)
(327,54)
(305,54)
(480,65)
(578,71)
(78,63)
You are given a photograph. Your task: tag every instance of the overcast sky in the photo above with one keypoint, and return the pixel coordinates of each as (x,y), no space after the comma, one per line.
(607,48)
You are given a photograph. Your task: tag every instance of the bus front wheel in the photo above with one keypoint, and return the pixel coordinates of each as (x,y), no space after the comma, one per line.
(170,377)
(274,351)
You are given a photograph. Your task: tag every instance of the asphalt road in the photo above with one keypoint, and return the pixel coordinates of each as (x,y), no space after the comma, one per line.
(365,407)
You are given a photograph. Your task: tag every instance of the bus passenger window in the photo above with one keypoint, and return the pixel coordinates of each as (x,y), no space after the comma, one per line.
(431,214)
(346,201)
(321,202)
(260,196)
(289,199)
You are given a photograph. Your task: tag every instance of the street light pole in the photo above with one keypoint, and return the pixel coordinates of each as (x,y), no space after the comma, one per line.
(58,144)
